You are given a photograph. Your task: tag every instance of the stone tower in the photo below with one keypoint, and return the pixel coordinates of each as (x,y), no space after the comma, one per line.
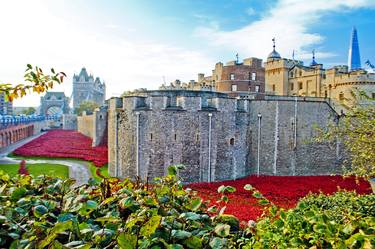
(277,72)
(86,88)
(354,58)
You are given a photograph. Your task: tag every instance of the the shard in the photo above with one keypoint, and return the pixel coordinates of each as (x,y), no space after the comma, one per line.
(354,60)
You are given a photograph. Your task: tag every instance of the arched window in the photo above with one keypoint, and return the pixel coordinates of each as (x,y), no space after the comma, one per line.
(231,141)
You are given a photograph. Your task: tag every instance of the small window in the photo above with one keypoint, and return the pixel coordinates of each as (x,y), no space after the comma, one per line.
(273,88)
(300,85)
(300,73)
(234,88)
(373,95)
(325,94)
(197,137)
(100,116)
(151,136)
(175,137)
(253,76)
(231,141)
(291,74)
(257,88)
(291,86)
(341,96)
(231,76)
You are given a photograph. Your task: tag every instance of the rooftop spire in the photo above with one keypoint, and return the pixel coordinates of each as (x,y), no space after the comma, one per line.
(313,63)
(274,54)
(354,58)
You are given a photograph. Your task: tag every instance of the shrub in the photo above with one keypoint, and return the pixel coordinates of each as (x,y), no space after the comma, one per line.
(22,169)
(320,221)
(47,212)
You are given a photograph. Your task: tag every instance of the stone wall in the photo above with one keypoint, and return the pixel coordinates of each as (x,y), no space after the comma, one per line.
(85,124)
(15,133)
(69,121)
(94,125)
(100,131)
(216,137)
(286,149)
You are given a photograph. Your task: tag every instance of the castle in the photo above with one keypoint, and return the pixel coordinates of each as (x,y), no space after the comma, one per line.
(220,130)
(216,136)
(289,77)
(85,88)
(234,78)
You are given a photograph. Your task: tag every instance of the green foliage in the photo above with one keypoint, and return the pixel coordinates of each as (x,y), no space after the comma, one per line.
(46,212)
(356,130)
(29,111)
(320,221)
(87,106)
(40,82)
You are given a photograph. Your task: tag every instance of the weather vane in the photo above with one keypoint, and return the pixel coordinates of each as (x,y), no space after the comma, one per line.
(274,40)
(237,58)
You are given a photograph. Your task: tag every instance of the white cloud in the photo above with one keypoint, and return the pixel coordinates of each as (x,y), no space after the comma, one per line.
(33,33)
(288,21)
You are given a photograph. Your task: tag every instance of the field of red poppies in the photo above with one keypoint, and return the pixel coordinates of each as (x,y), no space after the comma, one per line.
(65,144)
(284,191)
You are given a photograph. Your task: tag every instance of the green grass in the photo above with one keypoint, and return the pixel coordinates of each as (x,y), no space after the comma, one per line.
(91,166)
(55,170)
(103,171)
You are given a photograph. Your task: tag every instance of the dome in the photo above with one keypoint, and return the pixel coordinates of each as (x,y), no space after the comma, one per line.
(274,55)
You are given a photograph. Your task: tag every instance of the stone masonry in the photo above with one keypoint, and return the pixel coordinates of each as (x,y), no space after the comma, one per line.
(216,136)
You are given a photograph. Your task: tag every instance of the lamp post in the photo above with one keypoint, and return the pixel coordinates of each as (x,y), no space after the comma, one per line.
(209,145)
(259,134)
(137,144)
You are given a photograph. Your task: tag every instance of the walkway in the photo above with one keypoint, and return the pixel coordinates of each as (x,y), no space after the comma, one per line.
(78,170)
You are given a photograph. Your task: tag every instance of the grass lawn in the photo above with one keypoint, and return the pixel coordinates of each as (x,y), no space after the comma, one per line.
(92,167)
(55,170)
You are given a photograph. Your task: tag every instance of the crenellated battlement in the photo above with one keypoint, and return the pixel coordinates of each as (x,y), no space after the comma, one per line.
(175,100)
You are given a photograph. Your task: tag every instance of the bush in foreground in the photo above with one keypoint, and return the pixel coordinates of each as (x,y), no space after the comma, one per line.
(46,212)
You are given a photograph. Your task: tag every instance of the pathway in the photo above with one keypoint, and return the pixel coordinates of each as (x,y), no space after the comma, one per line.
(78,170)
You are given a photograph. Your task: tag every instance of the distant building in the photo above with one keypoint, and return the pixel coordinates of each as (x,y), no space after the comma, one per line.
(290,77)
(86,88)
(6,107)
(354,57)
(54,103)
(233,78)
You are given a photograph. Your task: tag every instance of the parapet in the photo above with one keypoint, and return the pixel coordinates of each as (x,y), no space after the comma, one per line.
(180,100)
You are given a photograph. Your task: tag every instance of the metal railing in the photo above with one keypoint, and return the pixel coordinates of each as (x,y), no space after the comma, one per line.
(7,121)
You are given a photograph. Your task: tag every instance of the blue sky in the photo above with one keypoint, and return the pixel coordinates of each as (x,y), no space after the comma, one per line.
(133,44)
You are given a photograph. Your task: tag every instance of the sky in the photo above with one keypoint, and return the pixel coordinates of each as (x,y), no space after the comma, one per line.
(141,43)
